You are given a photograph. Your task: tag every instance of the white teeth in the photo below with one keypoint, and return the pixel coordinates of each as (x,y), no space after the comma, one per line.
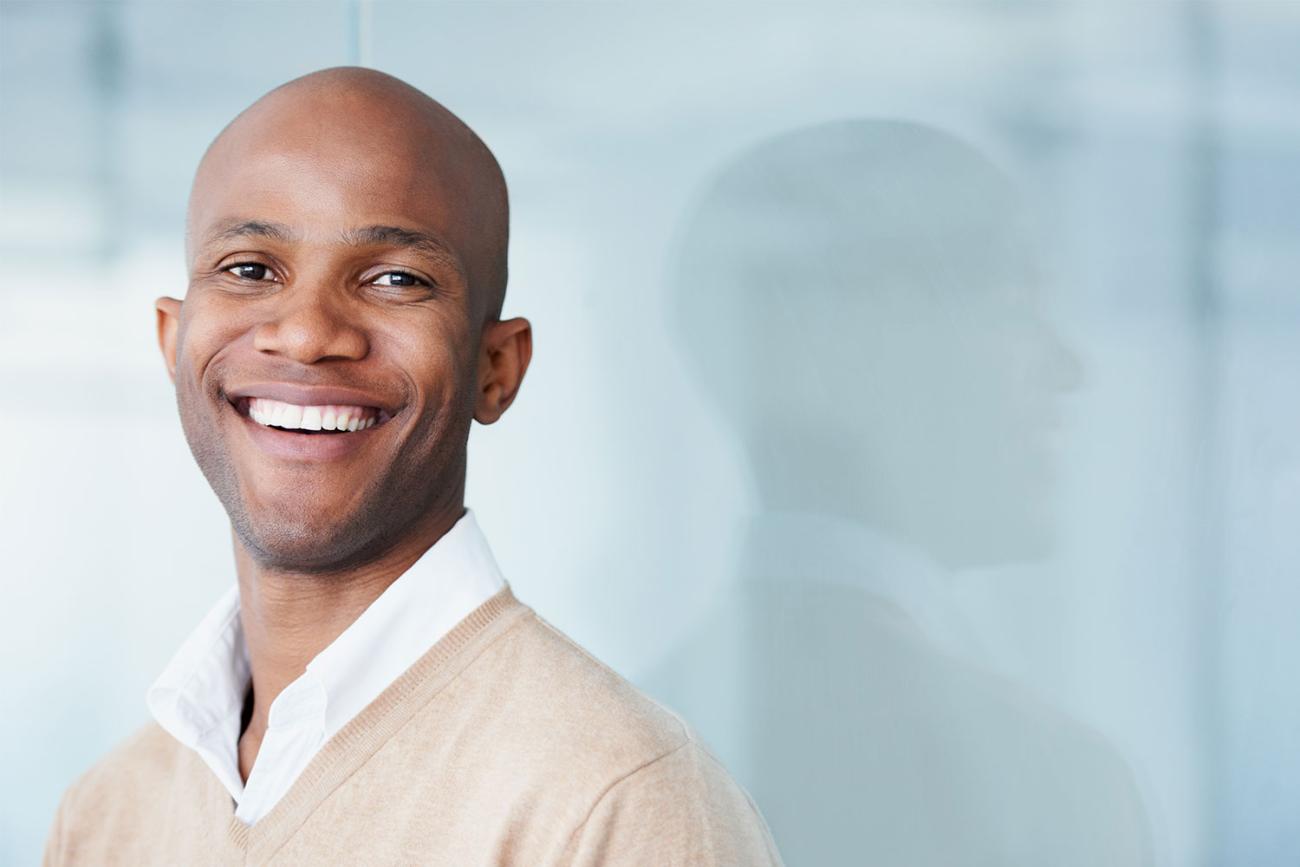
(293,417)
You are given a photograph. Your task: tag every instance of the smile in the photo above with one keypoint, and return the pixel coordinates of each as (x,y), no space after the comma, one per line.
(311,425)
(329,417)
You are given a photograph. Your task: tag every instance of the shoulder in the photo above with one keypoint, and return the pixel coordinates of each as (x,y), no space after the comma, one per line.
(112,792)
(644,788)
(560,694)
(136,760)
(681,808)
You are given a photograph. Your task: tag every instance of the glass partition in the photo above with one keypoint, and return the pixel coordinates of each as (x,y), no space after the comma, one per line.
(911,410)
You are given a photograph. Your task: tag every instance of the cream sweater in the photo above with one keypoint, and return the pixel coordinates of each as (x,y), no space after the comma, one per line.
(505,744)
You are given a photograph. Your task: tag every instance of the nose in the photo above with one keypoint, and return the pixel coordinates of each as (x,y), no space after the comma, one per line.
(311,324)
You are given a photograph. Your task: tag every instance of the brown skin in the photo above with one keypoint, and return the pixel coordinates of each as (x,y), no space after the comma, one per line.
(332,153)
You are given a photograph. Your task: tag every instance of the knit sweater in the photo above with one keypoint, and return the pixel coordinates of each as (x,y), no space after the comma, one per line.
(504,744)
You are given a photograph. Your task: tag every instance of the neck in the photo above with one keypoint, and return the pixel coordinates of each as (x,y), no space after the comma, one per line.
(289,617)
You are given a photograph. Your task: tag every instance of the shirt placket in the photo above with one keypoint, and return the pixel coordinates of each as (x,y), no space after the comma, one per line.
(295,730)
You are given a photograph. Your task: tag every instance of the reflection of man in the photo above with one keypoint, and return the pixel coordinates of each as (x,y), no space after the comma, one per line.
(860,303)
(370,691)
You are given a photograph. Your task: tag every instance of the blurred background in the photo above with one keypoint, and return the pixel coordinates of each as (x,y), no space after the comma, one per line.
(913,405)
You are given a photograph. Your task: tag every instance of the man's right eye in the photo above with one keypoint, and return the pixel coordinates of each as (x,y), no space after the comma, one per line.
(249,271)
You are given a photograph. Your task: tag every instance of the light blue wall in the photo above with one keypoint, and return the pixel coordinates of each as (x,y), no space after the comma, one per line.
(912,405)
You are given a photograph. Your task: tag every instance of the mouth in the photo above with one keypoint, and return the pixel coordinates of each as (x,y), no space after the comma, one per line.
(327,418)
(301,424)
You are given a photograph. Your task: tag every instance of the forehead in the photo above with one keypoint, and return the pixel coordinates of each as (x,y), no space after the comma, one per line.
(322,185)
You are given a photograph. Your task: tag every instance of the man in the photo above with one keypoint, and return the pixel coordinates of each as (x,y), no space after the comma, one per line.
(370,691)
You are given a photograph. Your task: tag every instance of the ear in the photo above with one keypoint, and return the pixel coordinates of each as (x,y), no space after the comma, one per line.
(169,321)
(505,350)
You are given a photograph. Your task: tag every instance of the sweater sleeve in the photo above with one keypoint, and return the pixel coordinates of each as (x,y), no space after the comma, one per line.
(683,809)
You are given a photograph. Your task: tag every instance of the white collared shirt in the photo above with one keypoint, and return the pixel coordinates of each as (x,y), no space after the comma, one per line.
(199,697)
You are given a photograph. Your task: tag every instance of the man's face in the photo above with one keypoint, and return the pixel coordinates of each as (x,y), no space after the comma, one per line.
(328,288)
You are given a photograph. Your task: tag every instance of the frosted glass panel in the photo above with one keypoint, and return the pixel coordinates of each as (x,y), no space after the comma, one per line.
(911,405)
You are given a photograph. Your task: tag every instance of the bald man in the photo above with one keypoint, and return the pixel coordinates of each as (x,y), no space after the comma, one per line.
(369,690)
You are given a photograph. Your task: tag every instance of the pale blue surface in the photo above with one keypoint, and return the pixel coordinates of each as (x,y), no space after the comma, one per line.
(1057,470)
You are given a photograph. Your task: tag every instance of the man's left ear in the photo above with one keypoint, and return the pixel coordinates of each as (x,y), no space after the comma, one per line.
(169,320)
(506,349)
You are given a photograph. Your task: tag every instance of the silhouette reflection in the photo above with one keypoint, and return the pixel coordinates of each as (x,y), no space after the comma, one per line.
(860,301)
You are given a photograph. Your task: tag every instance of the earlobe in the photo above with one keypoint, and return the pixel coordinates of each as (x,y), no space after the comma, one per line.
(169,320)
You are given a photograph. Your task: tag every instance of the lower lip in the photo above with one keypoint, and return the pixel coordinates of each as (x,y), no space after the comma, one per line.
(310,448)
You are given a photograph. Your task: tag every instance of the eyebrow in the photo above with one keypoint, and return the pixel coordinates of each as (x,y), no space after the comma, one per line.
(395,236)
(376,235)
(230,229)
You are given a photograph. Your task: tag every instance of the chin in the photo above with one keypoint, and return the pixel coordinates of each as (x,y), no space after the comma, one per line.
(303,545)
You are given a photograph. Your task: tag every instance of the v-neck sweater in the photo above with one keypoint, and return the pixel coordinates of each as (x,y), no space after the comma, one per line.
(505,743)
(201,696)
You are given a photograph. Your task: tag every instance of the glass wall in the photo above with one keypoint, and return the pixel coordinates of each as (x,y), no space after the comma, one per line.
(912,404)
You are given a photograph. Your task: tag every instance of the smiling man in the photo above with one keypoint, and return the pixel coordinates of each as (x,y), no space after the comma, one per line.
(369,690)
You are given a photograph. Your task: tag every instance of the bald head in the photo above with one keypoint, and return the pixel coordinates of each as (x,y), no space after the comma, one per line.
(391,151)
(346,245)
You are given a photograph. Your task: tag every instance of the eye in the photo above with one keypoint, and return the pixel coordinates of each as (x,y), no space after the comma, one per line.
(398,278)
(249,271)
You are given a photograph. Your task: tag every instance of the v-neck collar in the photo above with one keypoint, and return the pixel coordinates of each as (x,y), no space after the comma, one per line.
(360,738)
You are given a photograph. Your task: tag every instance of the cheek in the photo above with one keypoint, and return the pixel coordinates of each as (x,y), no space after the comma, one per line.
(198,342)
(436,356)
(207,329)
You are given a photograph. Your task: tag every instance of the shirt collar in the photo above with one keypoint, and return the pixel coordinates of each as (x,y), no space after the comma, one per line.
(452,578)
(205,680)
(199,696)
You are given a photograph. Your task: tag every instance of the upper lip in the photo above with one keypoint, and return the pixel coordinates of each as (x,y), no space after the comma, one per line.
(311,395)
